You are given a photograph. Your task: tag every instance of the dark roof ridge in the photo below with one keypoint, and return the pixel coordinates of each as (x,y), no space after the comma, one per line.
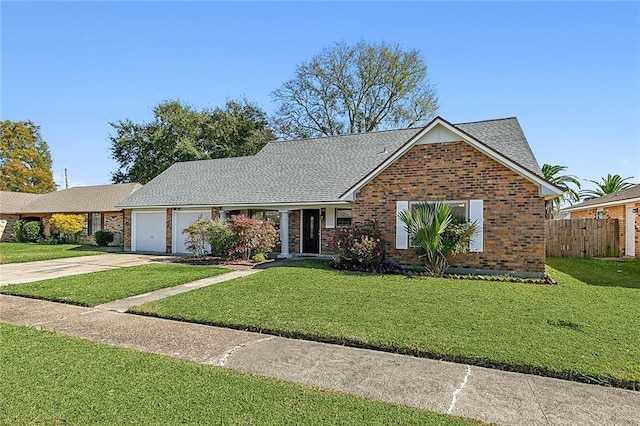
(486,121)
(348,134)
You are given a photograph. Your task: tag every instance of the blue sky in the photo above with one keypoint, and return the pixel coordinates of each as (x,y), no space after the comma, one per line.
(569,71)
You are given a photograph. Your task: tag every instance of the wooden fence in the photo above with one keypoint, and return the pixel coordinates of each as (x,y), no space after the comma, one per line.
(582,238)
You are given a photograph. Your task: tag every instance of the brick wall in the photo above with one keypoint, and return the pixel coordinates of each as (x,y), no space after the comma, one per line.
(169,230)
(126,239)
(614,212)
(514,236)
(113,222)
(294,231)
(327,234)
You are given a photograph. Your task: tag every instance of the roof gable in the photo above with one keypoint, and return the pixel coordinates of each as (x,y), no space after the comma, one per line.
(510,137)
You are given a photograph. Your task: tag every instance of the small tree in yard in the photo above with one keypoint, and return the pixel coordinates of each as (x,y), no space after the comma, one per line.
(251,236)
(432,229)
(197,237)
(68,225)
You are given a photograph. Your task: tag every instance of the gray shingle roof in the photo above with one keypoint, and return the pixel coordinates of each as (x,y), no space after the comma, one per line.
(305,170)
(620,196)
(14,202)
(82,199)
(506,137)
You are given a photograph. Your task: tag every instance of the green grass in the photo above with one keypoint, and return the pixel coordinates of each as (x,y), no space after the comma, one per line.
(30,252)
(105,286)
(586,328)
(47,378)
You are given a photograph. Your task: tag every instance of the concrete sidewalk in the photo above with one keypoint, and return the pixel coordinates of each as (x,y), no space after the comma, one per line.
(123,305)
(19,273)
(485,394)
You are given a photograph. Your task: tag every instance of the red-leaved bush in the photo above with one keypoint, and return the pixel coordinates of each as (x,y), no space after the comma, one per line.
(251,236)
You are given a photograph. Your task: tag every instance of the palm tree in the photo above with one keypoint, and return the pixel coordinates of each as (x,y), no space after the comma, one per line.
(607,185)
(569,194)
(433,230)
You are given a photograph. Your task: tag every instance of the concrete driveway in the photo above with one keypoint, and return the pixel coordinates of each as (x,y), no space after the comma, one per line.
(18,273)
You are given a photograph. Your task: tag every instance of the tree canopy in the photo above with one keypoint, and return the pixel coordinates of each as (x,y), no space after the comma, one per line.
(181,133)
(353,89)
(25,160)
(606,185)
(564,182)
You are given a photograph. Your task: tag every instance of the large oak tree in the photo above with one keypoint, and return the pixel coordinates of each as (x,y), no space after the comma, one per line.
(181,133)
(352,89)
(25,160)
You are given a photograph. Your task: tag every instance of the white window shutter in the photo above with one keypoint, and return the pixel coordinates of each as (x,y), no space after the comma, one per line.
(330,218)
(402,236)
(476,215)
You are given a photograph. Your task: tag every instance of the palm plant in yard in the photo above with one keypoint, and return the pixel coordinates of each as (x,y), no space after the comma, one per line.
(563,182)
(434,231)
(607,185)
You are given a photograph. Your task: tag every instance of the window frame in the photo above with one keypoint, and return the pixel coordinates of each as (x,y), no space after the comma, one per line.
(337,219)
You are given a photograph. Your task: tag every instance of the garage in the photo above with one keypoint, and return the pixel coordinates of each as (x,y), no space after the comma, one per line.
(148,231)
(181,220)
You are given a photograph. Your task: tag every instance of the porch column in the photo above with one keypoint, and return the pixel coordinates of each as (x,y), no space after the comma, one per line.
(222,214)
(284,234)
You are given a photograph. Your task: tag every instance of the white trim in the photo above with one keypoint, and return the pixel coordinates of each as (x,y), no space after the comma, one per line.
(544,187)
(269,206)
(630,230)
(330,219)
(476,214)
(402,236)
(578,207)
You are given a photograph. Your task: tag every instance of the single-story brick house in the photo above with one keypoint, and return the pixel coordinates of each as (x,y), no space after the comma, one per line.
(485,170)
(96,203)
(623,205)
(11,203)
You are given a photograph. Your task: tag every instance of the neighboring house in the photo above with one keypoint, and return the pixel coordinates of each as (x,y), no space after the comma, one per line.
(310,187)
(622,205)
(11,204)
(96,203)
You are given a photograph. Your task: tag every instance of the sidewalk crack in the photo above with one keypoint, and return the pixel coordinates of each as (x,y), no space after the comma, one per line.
(223,359)
(537,401)
(39,325)
(454,396)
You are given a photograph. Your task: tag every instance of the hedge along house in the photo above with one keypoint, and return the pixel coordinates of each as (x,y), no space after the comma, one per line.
(11,204)
(311,187)
(623,205)
(96,203)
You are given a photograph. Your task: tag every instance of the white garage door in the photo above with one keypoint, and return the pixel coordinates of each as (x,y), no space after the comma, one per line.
(181,220)
(149,231)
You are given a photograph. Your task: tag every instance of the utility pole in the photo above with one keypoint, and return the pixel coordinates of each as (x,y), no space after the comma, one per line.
(66,179)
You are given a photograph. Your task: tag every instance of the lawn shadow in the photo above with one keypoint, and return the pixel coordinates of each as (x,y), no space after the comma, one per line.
(600,272)
(108,249)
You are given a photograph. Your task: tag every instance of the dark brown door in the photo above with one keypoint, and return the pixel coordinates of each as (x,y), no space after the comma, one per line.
(311,231)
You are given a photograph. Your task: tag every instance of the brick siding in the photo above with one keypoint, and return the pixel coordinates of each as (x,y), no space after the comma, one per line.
(514,236)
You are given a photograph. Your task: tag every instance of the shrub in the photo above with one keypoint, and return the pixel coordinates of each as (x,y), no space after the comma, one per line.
(197,237)
(27,231)
(103,238)
(68,225)
(49,241)
(432,229)
(251,236)
(220,237)
(359,248)
(259,258)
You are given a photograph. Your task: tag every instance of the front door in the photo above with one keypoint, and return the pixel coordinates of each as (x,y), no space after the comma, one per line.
(311,231)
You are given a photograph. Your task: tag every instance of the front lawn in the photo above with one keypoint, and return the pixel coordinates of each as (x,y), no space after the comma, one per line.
(105,286)
(30,252)
(46,378)
(585,328)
